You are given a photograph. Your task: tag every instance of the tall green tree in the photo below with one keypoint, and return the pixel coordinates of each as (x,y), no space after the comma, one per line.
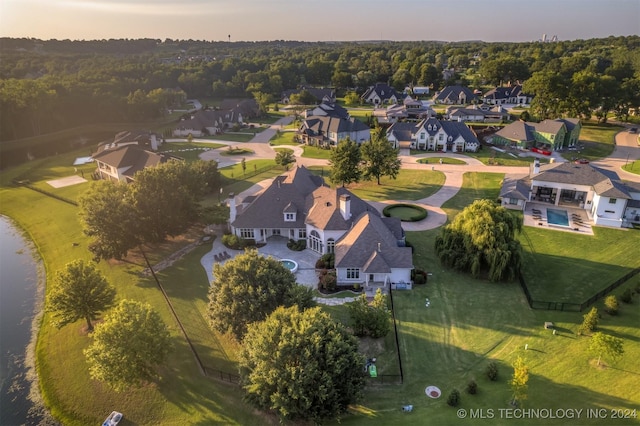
(284,158)
(481,239)
(519,380)
(302,365)
(128,346)
(379,158)
(590,321)
(247,289)
(370,319)
(603,344)
(345,163)
(79,291)
(107,215)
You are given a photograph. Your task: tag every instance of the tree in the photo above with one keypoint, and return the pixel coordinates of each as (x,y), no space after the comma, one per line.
(370,319)
(482,239)
(345,163)
(351,99)
(519,380)
(284,158)
(379,158)
(80,291)
(302,365)
(611,304)
(128,346)
(247,289)
(603,344)
(105,214)
(590,322)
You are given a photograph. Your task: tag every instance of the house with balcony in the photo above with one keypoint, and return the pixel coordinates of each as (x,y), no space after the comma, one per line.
(298,205)
(433,135)
(601,194)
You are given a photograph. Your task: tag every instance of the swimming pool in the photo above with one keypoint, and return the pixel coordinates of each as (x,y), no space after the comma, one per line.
(557,217)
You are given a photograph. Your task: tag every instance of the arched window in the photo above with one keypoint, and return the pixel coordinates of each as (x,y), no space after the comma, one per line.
(315,243)
(331,245)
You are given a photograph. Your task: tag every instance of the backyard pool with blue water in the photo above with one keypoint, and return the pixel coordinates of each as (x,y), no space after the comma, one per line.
(557,217)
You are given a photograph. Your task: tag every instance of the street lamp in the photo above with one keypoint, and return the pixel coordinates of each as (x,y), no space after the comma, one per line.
(219,195)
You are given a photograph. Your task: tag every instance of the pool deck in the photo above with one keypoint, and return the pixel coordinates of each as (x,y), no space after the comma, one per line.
(579,220)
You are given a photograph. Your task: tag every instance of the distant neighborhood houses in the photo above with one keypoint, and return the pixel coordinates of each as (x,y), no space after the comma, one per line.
(321,94)
(380,94)
(433,135)
(369,249)
(327,130)
(606,199)
(512,94)
(552,135)
(409,109)
(455,95)
(214,121)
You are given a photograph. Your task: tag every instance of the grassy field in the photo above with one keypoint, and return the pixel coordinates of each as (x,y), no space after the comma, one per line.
(235,179)
(315,152)
(632,167)
(468,323)
(491,157)
(597,139)
(284,138)
(434,160)
(188,151)
(409,185)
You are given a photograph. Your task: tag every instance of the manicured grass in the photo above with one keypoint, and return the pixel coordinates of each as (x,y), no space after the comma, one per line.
(409,185)
(361,113)
(436,160)
(283,150)
(568,267)
(405,212)
(597,139)
(491,157)
(285,138)
(632,167)
(475,186)
(188,151)
(234,137)
(236,181)
(315,152)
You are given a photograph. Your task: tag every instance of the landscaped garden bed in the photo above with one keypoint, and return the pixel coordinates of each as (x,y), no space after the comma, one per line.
(405,212)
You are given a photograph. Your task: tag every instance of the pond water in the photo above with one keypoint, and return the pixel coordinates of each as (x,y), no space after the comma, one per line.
(18,292)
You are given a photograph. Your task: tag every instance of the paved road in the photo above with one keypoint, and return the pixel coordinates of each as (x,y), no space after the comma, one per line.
(626,150)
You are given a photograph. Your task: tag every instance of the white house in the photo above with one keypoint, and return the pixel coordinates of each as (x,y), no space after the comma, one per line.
(434,135)
(121,163)
(607,200)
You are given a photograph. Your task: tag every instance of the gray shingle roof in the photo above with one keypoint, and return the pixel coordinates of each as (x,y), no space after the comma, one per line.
(133,157)
(452,94)
(582,174)
(370,245)
(517,131)
(517,187)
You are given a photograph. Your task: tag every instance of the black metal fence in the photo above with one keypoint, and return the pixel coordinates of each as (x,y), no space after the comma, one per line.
(42,191)
(573,307)
(212,373)
(395,329)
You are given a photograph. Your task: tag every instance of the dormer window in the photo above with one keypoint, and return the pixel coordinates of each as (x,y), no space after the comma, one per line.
(450,138)
(289,217)
(429,127)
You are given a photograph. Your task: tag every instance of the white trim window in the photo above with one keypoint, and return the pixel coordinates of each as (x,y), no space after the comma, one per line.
(353,273)
(246,233)
(289,217)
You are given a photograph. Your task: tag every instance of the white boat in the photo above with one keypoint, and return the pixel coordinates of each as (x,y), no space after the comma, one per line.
(113,419)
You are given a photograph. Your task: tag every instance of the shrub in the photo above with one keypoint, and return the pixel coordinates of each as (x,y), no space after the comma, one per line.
(236,243)
(492,371)
(590,322)
(297,245)
(454,398)
(328,281)
(611,305)
(472,387)
(326,261)
(627,296)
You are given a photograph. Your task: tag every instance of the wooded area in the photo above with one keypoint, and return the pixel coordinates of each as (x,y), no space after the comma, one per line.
(47,86)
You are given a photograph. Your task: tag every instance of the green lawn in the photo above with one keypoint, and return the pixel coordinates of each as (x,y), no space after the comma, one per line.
(284,138)
(234,150)
(436,160)
(188,151)
(491,157)
(468,322)
(632,167)
(409,185)
(236,180)
(315,152)
(597,139)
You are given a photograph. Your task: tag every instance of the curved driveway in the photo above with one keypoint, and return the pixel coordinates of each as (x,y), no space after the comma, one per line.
(626,150)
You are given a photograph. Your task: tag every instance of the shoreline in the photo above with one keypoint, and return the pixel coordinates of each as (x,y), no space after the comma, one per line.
(39,410)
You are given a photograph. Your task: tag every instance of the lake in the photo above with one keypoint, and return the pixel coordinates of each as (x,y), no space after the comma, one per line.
(18,292)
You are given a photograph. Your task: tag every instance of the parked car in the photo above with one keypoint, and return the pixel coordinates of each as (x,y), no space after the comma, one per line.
(633,130)
(113,419)
(582,161)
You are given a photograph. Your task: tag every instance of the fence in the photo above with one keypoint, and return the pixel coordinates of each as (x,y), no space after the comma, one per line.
(42,191)
(212,373)
(573,307)
(395,329)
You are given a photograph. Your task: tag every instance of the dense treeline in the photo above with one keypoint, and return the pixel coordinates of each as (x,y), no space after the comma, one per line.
(50,85)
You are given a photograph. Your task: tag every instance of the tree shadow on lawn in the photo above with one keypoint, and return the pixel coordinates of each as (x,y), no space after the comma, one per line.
(184,386)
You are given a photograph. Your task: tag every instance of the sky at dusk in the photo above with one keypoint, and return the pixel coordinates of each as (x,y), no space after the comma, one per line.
(325,20)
